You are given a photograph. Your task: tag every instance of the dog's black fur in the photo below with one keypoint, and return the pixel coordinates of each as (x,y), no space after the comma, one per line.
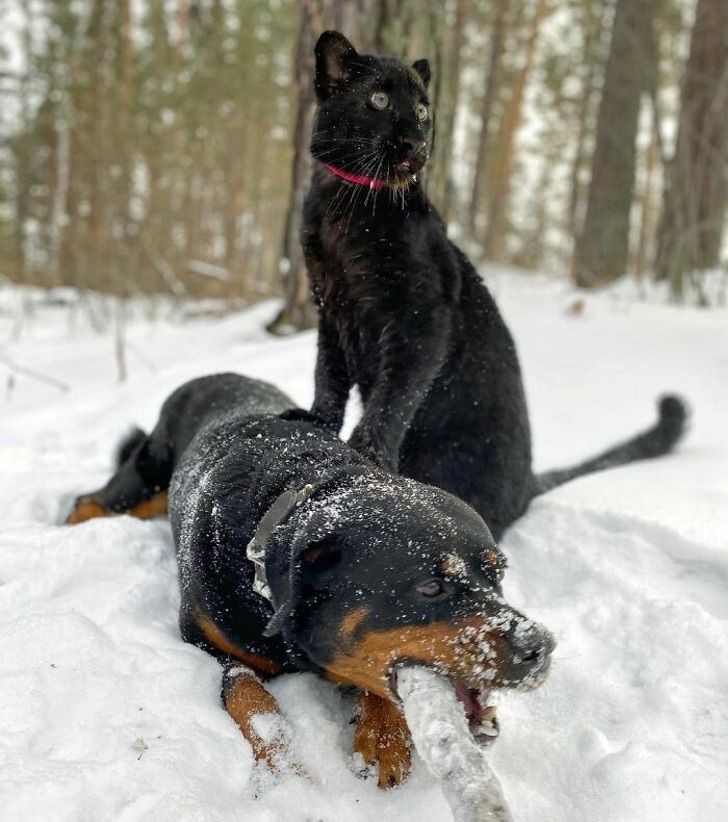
(403,314)
(355,554)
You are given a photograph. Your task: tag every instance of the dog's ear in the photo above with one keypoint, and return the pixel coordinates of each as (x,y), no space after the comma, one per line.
(311,565)
(422,67)
(334,59)
(319,562)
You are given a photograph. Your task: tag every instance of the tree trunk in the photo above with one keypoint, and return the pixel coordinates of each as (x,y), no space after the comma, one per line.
(25,270)
(696,195)
(492,87)
(592,61)
(646,200)
(441,184)
(494,242)
(602,249)
(298,311)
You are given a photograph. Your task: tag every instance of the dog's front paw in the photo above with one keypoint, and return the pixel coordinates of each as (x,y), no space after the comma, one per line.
(382,738)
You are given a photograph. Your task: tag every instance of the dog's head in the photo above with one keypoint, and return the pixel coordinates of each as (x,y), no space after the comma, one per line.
(373,114)
(387,572)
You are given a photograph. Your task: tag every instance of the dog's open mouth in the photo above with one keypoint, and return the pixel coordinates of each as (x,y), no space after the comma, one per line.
(482,718)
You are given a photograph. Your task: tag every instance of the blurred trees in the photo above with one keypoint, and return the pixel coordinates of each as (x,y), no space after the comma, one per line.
(161,145)
(696,195)
(503,161)
(491,88)
(151,151)
(298,311)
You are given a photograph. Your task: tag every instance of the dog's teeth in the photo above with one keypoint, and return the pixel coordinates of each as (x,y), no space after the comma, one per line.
(486,729)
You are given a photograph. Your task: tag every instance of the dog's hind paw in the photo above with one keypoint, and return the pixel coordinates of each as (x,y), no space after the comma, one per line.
(84,509)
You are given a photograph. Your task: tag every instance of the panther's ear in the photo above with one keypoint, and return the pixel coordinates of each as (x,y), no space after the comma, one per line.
(334,56)
(422,67)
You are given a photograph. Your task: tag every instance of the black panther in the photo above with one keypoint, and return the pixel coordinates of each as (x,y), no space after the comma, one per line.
(404,315)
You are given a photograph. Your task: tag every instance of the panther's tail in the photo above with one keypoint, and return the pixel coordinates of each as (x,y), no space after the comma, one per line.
(654,442)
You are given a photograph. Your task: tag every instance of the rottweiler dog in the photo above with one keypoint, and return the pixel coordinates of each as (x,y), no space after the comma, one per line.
(296,552)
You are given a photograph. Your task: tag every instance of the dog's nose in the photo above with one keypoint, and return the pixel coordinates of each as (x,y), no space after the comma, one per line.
(412,145)
(530,645)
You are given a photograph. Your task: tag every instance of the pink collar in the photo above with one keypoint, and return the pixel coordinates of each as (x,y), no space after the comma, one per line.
(359,179)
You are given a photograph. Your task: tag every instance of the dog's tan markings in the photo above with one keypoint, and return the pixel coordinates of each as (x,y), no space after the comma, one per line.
(155,506)
(217,639)
(252,708)
(352,621)
(493,557)
(85,510)
(465,649)
(382,737)
(453,566)
(90,508)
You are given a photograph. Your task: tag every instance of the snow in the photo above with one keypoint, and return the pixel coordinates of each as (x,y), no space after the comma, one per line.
(105,714)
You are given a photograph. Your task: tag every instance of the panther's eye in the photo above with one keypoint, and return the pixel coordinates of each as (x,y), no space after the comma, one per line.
(380,100)
(422,111)
(431,588)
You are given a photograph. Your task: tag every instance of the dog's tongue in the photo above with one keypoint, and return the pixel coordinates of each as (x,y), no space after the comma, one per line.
(433,708)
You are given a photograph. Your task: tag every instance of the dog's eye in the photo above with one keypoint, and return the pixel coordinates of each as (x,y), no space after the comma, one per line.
(422,111)
(431,588)
(380,100)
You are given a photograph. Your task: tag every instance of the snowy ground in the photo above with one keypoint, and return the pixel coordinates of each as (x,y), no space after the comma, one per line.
(106,715)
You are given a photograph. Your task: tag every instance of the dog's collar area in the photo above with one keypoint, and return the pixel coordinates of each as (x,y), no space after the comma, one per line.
(276,515)
(357,179)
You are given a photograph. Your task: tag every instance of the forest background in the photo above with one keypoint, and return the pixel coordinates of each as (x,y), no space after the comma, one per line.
(153,147)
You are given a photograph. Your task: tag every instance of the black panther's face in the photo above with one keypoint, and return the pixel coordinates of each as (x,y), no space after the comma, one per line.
(374,119)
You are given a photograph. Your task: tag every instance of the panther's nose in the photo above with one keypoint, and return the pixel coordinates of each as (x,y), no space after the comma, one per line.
(412,145)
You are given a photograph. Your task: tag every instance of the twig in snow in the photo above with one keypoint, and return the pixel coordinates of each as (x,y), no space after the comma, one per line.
(31,372)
